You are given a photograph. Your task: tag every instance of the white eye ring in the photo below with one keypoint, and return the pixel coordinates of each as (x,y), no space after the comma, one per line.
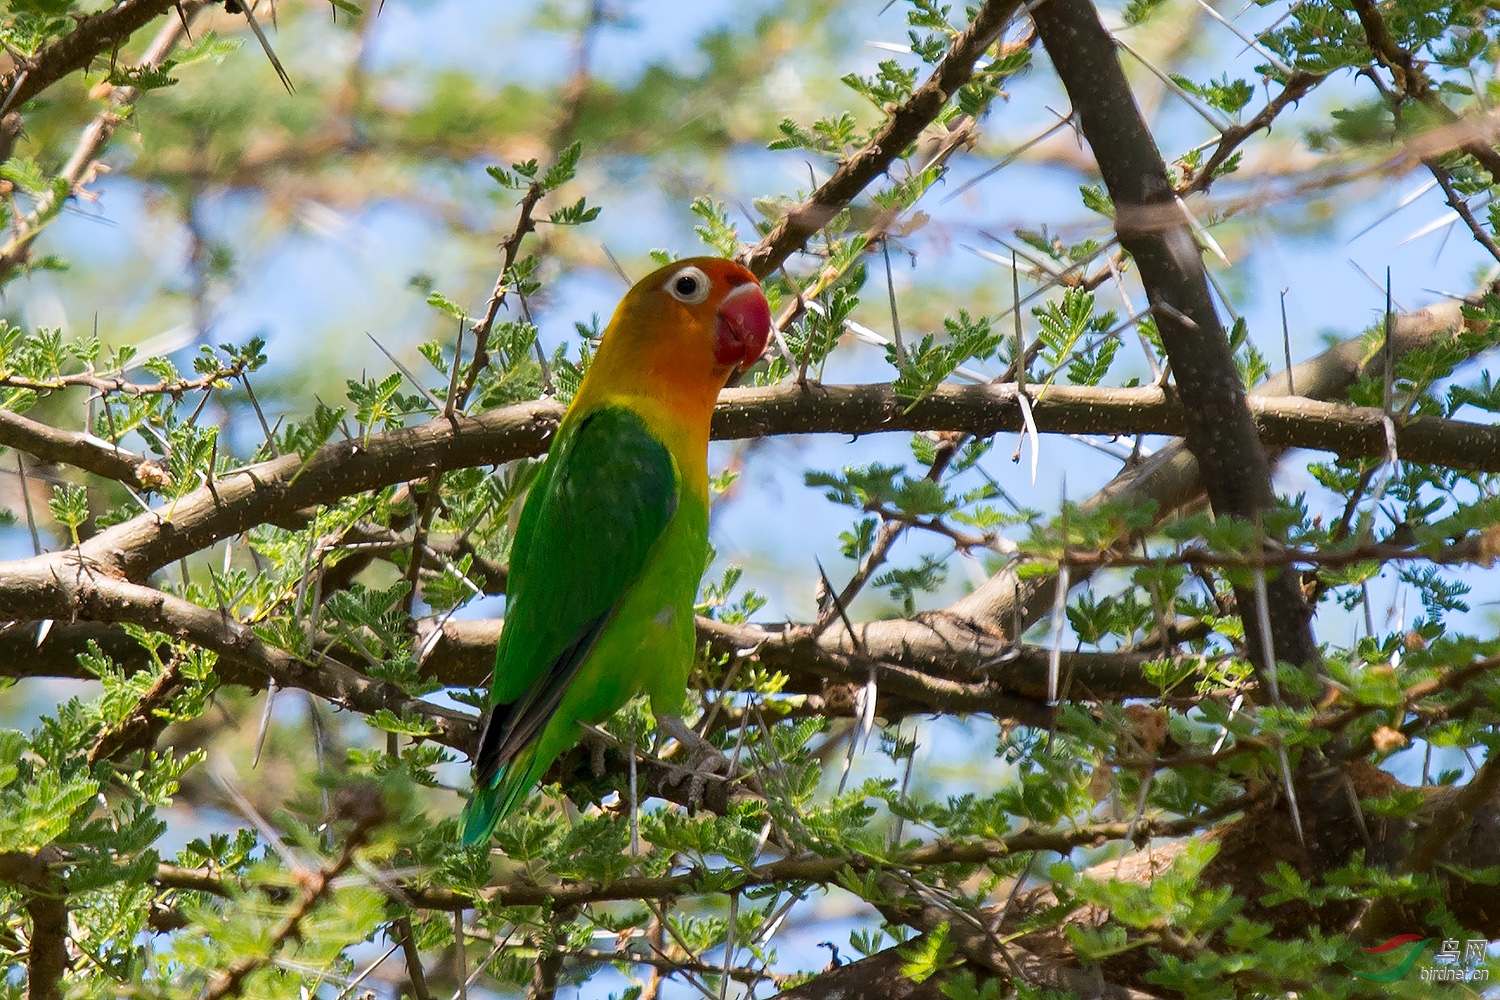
(689,285)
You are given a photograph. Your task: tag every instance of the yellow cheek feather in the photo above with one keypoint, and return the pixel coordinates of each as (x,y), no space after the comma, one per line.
(656,358)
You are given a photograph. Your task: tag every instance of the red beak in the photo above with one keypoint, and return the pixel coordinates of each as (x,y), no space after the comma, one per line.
(742,327)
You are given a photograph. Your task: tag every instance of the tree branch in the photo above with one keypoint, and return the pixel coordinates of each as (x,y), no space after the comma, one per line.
(1169,479)
(143,725)
(510,247)
(80,450)
(46,906)
(1297,86)
(268,491)
(64,590)
(902,129)
(271,491)
(47,955)
(94,34)
(1219,430)
(813,869)
(1458,204)
(936,664)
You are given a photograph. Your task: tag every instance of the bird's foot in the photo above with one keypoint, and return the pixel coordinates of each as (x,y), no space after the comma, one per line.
(704,760)
(598,743)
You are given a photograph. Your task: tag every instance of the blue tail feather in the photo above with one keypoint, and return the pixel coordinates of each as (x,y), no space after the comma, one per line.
(488,805)
(481,814)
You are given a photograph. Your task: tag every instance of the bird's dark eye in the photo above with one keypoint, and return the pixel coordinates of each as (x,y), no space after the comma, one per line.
(689,285)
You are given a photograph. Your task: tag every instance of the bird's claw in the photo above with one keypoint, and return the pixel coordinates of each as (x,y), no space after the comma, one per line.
(704,760)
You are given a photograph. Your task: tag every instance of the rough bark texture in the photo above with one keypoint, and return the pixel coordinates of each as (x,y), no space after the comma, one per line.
(47,959)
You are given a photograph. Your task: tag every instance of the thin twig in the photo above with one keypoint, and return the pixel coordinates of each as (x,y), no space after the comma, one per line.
(509,248)
(1459,205)
(900,130)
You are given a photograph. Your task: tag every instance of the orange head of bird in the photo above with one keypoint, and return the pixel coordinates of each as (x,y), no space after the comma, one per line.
(689,324)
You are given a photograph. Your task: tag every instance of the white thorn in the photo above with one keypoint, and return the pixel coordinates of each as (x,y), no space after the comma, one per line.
(1031,432)
(1059,615)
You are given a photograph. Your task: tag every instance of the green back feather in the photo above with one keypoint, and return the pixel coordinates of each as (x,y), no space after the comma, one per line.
(602,502)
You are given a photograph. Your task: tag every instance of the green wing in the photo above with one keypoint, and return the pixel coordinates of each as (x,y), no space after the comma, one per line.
(602,500)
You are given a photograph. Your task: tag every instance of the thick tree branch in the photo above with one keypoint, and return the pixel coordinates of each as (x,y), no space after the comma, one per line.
(1280,422)
(271,491)
(80,450)
(1220,430)
(937,664)
(245,660)
(47,909)
(47,956)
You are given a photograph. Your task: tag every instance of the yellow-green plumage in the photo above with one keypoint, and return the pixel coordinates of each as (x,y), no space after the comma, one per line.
(609,547)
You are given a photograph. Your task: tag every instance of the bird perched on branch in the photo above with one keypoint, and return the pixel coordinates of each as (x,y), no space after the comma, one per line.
(613,536)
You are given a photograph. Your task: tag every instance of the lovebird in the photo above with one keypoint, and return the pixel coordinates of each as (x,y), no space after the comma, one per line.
(613,536)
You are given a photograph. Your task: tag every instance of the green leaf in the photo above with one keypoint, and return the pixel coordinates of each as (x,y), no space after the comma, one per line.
(922,366)
(1095,199)
(1227,95)
(575,215)
(413,726)
(1139,11)
(564,168)
(716,231)
(70,505)
(928,955)
(444,304)
(26,174)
